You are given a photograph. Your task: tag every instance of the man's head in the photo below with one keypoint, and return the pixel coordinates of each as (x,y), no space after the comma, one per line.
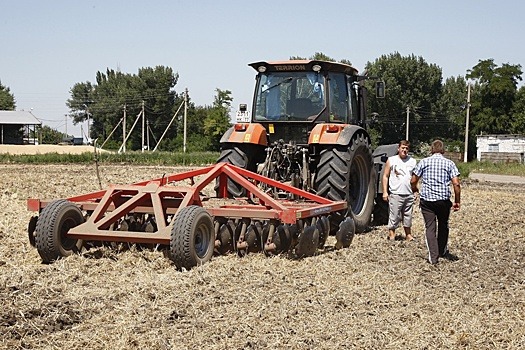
(403,148)
(437,147)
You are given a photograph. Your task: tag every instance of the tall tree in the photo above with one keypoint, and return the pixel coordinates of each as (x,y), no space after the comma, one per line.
(411,83)
(518,113)
(321,57)
(451,107)
(116,93)
(218,120)
(12,133)
(494,95)
(49,136)
(7,99)
(195,138)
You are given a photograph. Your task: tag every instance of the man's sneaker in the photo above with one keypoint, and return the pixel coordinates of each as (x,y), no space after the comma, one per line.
(449,256)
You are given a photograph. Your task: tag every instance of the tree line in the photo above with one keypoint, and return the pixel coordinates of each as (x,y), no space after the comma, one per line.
(436,109)
(151,94)
(415,93)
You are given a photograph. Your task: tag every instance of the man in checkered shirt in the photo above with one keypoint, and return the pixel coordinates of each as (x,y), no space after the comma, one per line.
(436,173)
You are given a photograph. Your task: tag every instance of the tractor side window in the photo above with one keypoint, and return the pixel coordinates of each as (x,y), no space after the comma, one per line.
(270,93)
(338,97)
(352,95)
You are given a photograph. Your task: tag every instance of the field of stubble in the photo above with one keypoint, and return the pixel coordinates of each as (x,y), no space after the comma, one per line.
(373,295)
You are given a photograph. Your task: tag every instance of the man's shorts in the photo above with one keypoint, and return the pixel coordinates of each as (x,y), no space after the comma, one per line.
(400,209)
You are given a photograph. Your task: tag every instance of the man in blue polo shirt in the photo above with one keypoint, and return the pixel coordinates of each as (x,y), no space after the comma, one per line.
(436,173)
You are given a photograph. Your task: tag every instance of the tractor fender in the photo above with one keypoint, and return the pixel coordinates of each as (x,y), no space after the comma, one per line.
(334,134)
(380,156)
(253,133)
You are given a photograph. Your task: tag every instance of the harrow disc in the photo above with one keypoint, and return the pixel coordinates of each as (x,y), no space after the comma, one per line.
(225,236)
(253,237)
(323,225)
(308,241)
(284,236)
(345,233)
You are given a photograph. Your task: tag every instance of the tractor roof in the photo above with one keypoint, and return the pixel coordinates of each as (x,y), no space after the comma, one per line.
(303,65)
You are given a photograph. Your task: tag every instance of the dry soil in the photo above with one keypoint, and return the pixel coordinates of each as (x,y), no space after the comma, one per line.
(373,295)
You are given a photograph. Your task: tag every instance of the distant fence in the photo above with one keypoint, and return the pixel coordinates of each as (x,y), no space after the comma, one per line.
(502,157)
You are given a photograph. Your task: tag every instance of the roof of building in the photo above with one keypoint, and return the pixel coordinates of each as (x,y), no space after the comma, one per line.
(18,117)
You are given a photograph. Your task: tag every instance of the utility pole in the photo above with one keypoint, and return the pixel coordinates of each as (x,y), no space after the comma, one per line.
(143,117)
(185,118)
(147,132)
(87,117)
(408,120)
(88,135)
(124,131)
(465,158)
(65,115)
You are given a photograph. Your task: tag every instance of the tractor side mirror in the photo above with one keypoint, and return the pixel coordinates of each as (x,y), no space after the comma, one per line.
(380,89)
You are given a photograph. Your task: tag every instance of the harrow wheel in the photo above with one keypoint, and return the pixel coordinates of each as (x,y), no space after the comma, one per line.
(55,220)
(192,237)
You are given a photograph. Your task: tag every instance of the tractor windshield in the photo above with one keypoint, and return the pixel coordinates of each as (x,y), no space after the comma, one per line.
(283,96)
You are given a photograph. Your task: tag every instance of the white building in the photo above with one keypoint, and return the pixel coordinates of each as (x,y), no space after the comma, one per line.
(18,119)
(509,147)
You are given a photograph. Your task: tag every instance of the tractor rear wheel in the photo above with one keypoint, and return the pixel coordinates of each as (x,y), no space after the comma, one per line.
(347,173)
(243,156)
(55,220)
(192,237)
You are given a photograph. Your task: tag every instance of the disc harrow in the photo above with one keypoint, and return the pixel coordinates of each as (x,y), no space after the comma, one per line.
(173,213)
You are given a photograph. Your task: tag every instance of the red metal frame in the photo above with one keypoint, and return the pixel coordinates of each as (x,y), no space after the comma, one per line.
(163,197)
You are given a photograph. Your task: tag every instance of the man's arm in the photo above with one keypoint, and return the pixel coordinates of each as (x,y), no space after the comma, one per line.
(386,175)
(413,183)
(457,193)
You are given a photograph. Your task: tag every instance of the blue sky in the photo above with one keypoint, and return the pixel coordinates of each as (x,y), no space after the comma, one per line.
(48,46)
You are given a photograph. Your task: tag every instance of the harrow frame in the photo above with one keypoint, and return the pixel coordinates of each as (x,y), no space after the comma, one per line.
(163,198)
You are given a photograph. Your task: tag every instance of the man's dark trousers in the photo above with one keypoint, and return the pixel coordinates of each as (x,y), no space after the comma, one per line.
(437,212)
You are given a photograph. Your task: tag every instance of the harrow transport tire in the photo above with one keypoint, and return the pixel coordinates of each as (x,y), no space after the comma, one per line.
(243,156)
(347,173)
(55,220)
(192,237)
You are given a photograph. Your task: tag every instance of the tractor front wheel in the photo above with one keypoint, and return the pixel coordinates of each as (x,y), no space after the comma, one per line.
(244,156)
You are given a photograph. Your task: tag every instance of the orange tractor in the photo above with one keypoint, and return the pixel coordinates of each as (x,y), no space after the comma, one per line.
(295,170)
(307,128)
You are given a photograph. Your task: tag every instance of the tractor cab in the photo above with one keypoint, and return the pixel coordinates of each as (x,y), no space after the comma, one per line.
(305,92)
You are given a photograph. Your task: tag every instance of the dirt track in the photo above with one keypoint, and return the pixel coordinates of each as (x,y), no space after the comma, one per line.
(374,295)
(42,149)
